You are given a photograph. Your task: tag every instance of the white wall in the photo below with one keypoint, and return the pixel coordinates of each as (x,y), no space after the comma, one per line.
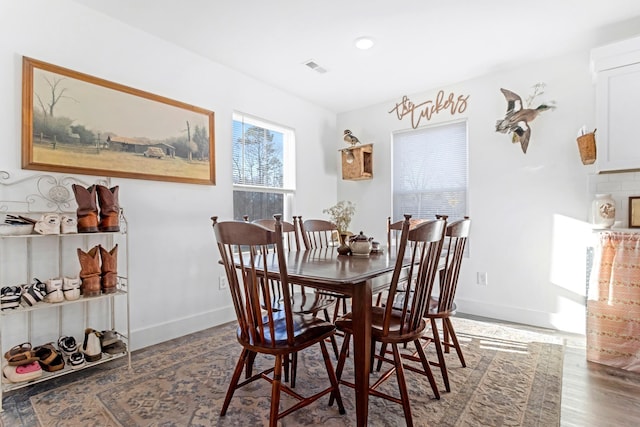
(174,270)
(528,211)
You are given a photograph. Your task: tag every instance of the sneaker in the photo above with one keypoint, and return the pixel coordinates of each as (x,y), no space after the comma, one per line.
(71,288)
(48,224)
(67,345)
(54,291)
(34,293)
(76,360)
(68,224)
(10,297)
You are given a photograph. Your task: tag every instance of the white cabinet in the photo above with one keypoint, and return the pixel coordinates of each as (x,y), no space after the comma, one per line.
(617,68)
(26,257)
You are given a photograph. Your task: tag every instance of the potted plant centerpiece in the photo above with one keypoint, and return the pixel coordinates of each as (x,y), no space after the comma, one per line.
(341,214)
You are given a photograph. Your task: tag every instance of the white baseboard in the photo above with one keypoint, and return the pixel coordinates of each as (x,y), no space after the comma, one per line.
(573,322)
(155,334)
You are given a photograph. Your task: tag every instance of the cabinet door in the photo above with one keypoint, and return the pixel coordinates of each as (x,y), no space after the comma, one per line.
(618,121)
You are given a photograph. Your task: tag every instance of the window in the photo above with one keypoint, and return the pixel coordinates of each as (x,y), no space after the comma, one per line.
(430,171)
(263,168)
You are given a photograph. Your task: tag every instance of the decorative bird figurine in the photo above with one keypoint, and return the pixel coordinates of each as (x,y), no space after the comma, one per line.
(350,138)
(517,119)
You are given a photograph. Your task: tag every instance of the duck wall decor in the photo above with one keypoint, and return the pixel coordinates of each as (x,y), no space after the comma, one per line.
(518,118)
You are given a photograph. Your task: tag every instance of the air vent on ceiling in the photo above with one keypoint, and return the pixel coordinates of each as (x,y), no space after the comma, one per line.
(315,67)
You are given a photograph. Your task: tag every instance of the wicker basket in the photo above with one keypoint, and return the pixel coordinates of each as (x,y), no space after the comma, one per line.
(587,147)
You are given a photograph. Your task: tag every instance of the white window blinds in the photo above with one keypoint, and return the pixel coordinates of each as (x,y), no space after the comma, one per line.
(430,171)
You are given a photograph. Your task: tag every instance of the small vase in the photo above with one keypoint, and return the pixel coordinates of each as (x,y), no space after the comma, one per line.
(603,211)
(344,249)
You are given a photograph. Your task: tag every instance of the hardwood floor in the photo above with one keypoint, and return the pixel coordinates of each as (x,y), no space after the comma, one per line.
(593,395)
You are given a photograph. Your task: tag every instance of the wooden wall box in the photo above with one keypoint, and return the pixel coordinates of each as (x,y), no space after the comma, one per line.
(362,165)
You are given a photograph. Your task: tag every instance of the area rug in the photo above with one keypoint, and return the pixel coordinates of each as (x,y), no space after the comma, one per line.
(513,377)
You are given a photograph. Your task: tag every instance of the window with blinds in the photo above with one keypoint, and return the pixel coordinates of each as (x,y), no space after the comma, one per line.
(430,170)
(263,168)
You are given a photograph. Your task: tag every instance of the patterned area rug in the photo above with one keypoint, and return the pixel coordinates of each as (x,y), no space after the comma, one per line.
(513,377)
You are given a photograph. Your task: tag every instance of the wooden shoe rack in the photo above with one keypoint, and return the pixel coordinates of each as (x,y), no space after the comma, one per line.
(26,257)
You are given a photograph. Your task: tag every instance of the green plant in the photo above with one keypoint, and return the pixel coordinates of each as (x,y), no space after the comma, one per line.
(341,214)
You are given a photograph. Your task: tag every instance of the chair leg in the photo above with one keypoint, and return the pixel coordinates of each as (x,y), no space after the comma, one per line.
(242,360)
(249,364)
(402,385)
(445,336)
(275,392)
(332,338)
(341,361)
(454,338)
(441,360)
(335,393)
(287,366)
(294,369)
(427,369)
(383,351)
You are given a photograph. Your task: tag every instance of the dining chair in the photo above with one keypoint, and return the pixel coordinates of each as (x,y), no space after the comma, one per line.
(394,324)
(245,248)
(302,302)
(394,231)
(316,234)
(443,306)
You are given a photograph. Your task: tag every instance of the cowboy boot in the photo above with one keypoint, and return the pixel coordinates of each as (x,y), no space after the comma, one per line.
(87,208)
(90,271)
(109,269)
(109,208)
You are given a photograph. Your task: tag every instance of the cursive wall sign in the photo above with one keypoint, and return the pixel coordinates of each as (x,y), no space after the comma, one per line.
(427,109)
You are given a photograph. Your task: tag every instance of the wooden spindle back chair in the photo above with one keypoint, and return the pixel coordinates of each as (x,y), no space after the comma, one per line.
(395,324)
(245,252)
(317,234)
(443,306)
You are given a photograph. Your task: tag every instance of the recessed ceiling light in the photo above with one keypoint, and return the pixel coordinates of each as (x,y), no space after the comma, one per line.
(364,43)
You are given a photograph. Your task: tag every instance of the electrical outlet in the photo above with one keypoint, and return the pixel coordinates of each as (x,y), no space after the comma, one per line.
(482,278)
(223,283)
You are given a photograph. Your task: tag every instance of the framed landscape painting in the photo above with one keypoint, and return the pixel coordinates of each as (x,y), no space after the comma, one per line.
(79,124)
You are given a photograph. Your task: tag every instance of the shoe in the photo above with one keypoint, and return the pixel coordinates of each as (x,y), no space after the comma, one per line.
(21,354)
(10,297)
(67,345)
(109,269)
(107,338)
(115,348)
(87,211)
(91,346)
(71,288)
(48,224)
(76,360)
(49,358)
(109,208)
(18,374)
(34,293)
(54,291)
(68,224)
(90,271)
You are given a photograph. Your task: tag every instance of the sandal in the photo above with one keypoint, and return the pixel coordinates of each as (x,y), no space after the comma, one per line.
(20,355)
(49,358)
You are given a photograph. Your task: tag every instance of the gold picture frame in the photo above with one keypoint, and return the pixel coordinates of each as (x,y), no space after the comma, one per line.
(634,212)
(79,124)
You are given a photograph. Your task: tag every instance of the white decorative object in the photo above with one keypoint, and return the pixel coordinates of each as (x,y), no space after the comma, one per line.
(603,210)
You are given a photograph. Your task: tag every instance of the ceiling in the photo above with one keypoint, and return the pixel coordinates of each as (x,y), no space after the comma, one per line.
(420,44)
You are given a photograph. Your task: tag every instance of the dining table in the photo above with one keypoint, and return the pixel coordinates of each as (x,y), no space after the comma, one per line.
(359,277)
